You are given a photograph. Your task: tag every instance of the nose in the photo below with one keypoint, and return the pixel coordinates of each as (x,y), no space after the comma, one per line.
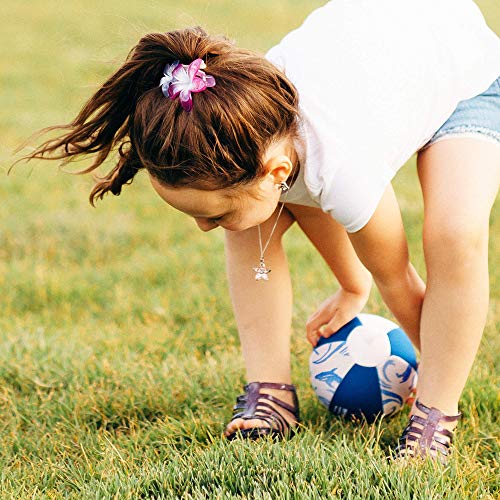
(205,224)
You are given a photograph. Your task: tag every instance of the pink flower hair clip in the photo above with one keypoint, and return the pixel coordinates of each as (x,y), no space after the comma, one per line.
(181,80)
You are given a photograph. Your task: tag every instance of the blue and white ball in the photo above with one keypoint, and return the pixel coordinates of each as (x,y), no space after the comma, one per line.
(367,368)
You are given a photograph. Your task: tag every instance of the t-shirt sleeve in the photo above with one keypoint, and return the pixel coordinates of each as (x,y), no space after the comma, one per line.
(352,200)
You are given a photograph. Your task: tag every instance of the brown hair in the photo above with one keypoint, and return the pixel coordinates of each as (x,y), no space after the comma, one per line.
(218,144)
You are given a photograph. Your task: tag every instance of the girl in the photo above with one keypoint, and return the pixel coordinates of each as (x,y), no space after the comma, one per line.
(322,124)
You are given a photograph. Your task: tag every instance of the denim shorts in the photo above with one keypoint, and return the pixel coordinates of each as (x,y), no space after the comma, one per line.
(477,117)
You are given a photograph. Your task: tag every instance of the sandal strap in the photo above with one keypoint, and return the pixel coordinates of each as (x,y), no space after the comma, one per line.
(430,425)
(425,436)
(438,428)
(272,385)
(254,404)
(444,418)
(264,412)
(253,397)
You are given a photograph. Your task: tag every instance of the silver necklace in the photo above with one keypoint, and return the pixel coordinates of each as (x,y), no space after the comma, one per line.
(262,271)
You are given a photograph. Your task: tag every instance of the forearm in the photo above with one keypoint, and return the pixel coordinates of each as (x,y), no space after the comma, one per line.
(332,242)
(382,247)
(404,295)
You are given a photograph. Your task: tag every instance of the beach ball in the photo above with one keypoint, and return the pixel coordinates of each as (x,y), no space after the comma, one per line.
(367,368)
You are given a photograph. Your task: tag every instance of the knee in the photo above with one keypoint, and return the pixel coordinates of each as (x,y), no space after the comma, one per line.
(455,244)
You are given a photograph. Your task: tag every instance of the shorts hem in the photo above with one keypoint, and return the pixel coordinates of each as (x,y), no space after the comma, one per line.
(482,133)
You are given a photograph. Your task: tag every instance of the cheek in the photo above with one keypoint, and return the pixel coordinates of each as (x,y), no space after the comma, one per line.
(250,211)
(257,213)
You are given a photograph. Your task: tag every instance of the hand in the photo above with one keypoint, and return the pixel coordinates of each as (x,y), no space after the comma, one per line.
(333,314)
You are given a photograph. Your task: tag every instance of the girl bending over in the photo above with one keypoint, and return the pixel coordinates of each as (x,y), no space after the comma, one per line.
(313,133)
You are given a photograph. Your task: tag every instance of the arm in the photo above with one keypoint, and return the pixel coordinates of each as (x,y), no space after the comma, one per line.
(331,240)
(382,247)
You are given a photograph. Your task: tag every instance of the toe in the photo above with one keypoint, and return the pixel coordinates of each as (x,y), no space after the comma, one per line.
(233,426)
(241,424)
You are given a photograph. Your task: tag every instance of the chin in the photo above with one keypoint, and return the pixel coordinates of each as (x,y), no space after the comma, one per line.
(239,227)
(242,226)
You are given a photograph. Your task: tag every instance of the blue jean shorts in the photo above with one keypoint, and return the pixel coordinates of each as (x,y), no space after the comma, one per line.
(477,117)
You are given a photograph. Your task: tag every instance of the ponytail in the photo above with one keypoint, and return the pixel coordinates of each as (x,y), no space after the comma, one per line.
(123,173)
(219,143)
(104,122)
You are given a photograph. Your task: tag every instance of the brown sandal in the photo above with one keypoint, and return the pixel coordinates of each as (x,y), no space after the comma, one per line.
(427,438)
(254,404)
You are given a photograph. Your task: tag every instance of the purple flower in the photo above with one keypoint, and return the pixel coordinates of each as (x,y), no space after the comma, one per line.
(180,80)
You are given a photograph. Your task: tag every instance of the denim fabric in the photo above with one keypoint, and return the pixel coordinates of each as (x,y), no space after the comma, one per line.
(478,116)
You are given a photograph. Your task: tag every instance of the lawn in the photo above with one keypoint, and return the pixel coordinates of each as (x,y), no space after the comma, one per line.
(119,357)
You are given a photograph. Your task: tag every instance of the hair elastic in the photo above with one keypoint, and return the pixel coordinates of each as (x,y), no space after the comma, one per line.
(180,80)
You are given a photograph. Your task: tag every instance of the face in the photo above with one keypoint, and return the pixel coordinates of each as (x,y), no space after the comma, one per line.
(234,209)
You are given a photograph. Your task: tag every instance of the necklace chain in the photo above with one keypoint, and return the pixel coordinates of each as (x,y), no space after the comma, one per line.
(262,271)
(262,250)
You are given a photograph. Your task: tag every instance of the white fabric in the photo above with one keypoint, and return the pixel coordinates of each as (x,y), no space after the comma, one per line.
(376,79)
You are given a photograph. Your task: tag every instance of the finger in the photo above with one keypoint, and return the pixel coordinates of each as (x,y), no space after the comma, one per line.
(327,327)
(311,327)
(313,322)
(314,334)
(334,325)
(317,320)
(313,337)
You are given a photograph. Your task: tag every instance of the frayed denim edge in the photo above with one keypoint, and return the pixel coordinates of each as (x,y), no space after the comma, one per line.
(472,131)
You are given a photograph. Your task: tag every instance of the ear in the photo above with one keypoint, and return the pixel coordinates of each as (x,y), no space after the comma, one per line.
(279,168)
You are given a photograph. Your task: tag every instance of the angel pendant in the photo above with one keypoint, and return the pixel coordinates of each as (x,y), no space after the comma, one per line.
(261,272)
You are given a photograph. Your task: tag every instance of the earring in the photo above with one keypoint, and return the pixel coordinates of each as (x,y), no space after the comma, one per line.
(284,187)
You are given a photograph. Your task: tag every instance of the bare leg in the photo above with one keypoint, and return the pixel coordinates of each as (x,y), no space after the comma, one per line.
(459,179)
(263,310)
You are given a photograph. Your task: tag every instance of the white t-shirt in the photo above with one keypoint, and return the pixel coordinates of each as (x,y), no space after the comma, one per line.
(376,79)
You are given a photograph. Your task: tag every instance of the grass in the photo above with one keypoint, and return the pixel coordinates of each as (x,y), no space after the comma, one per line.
(119,358)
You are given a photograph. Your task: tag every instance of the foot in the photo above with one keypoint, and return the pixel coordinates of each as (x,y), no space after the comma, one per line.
(264,409)
(429,433)
(448,425)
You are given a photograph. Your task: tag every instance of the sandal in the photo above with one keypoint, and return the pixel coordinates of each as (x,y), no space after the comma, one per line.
(254,404)
(428,438)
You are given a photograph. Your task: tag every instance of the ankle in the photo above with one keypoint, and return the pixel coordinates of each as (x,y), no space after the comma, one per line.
(449,425)
(281,390)
(448,408)
(283,394)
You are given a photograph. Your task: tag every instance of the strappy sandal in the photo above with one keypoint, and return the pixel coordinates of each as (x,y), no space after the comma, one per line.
(254,404)
(428,438)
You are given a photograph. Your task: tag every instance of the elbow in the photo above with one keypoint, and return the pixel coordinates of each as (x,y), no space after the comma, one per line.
(399,278)
(366,283)
(362,285)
